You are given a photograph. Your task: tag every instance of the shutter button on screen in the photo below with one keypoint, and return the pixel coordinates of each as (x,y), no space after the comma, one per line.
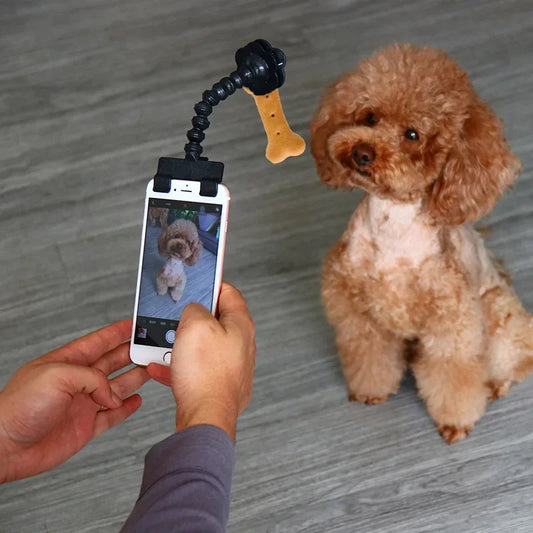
(170,336)
(166,357)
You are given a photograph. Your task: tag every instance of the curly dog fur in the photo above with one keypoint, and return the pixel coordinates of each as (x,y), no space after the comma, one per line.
(179,242)
(410,271)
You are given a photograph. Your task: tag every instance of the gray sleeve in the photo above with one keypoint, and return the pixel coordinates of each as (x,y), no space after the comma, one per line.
(186,484)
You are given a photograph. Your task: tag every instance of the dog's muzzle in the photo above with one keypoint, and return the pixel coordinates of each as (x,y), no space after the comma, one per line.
(363,154)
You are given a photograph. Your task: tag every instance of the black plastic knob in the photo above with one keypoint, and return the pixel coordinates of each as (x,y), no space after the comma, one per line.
(266,63)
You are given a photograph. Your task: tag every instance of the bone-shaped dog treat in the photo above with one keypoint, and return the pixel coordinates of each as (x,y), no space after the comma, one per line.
(282,141)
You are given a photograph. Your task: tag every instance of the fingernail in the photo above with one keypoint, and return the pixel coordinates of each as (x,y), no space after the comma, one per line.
(116,400)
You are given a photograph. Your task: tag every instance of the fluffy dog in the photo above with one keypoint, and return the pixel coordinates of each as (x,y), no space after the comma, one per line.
(181,244)
(410,281)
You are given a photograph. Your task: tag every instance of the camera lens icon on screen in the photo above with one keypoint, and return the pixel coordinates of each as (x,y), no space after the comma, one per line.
(170,336)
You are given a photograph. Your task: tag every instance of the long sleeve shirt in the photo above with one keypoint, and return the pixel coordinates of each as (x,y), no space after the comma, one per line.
(186,484)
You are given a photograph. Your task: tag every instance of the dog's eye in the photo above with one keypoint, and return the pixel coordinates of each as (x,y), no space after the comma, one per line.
(366,117)
(371,119)
(411,135)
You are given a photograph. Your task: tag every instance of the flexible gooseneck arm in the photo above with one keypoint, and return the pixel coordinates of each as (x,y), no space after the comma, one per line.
(260,68)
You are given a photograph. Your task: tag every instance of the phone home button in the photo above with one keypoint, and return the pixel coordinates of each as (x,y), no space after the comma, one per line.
(166,357)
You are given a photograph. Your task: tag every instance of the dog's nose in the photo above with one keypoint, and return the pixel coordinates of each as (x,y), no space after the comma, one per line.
(364,154)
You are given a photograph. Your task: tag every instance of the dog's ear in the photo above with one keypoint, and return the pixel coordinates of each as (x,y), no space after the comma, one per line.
(328,119)
(479,168)
(196,247)
(320,132)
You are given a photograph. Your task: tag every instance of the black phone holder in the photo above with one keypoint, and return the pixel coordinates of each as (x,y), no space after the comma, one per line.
(260,68)
(209,173)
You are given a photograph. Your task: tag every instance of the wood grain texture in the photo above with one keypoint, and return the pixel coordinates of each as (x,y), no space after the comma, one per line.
(91,94)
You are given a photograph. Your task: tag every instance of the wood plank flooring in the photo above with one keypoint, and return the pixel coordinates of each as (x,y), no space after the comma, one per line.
(91,94)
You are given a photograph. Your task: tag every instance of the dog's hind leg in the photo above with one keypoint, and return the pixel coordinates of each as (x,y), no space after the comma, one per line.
(510,331)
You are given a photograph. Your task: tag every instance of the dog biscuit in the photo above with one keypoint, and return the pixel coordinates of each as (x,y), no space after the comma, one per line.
(282,141)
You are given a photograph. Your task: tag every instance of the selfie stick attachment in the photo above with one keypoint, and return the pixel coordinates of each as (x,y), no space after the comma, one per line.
(260,68)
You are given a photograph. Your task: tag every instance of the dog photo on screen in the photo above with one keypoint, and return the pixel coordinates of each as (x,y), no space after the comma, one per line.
(179,258)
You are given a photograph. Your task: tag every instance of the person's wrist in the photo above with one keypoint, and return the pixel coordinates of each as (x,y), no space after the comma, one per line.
(213,412)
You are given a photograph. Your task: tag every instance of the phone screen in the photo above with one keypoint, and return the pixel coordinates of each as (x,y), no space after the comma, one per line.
(178,267)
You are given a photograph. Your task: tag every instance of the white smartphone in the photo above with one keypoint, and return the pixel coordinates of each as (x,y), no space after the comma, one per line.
(181,260)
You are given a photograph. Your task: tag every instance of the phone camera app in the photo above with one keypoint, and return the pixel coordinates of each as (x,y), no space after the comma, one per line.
(179,265)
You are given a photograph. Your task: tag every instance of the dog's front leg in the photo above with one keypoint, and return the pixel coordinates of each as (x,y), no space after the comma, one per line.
(161,283)
(176,292)
(450,375)
(372,359)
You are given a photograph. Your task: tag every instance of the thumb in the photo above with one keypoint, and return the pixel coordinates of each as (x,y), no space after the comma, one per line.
(88,380)
(233,309)
(192,314)
(231,299)
(194,311)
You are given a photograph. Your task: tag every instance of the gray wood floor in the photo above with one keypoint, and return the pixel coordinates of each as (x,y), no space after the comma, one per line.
(91,94)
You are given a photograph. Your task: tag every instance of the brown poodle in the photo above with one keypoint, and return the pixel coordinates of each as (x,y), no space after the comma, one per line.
(410,281)
(181,244)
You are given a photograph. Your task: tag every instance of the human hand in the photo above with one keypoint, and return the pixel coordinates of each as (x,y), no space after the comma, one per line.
(53,406)
(212,365)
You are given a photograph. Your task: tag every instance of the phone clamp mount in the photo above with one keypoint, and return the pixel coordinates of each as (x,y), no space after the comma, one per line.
(260,68)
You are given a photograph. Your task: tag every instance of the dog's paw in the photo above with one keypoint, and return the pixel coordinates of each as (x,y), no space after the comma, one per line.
(453,434)
(498,389)
(369,400)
